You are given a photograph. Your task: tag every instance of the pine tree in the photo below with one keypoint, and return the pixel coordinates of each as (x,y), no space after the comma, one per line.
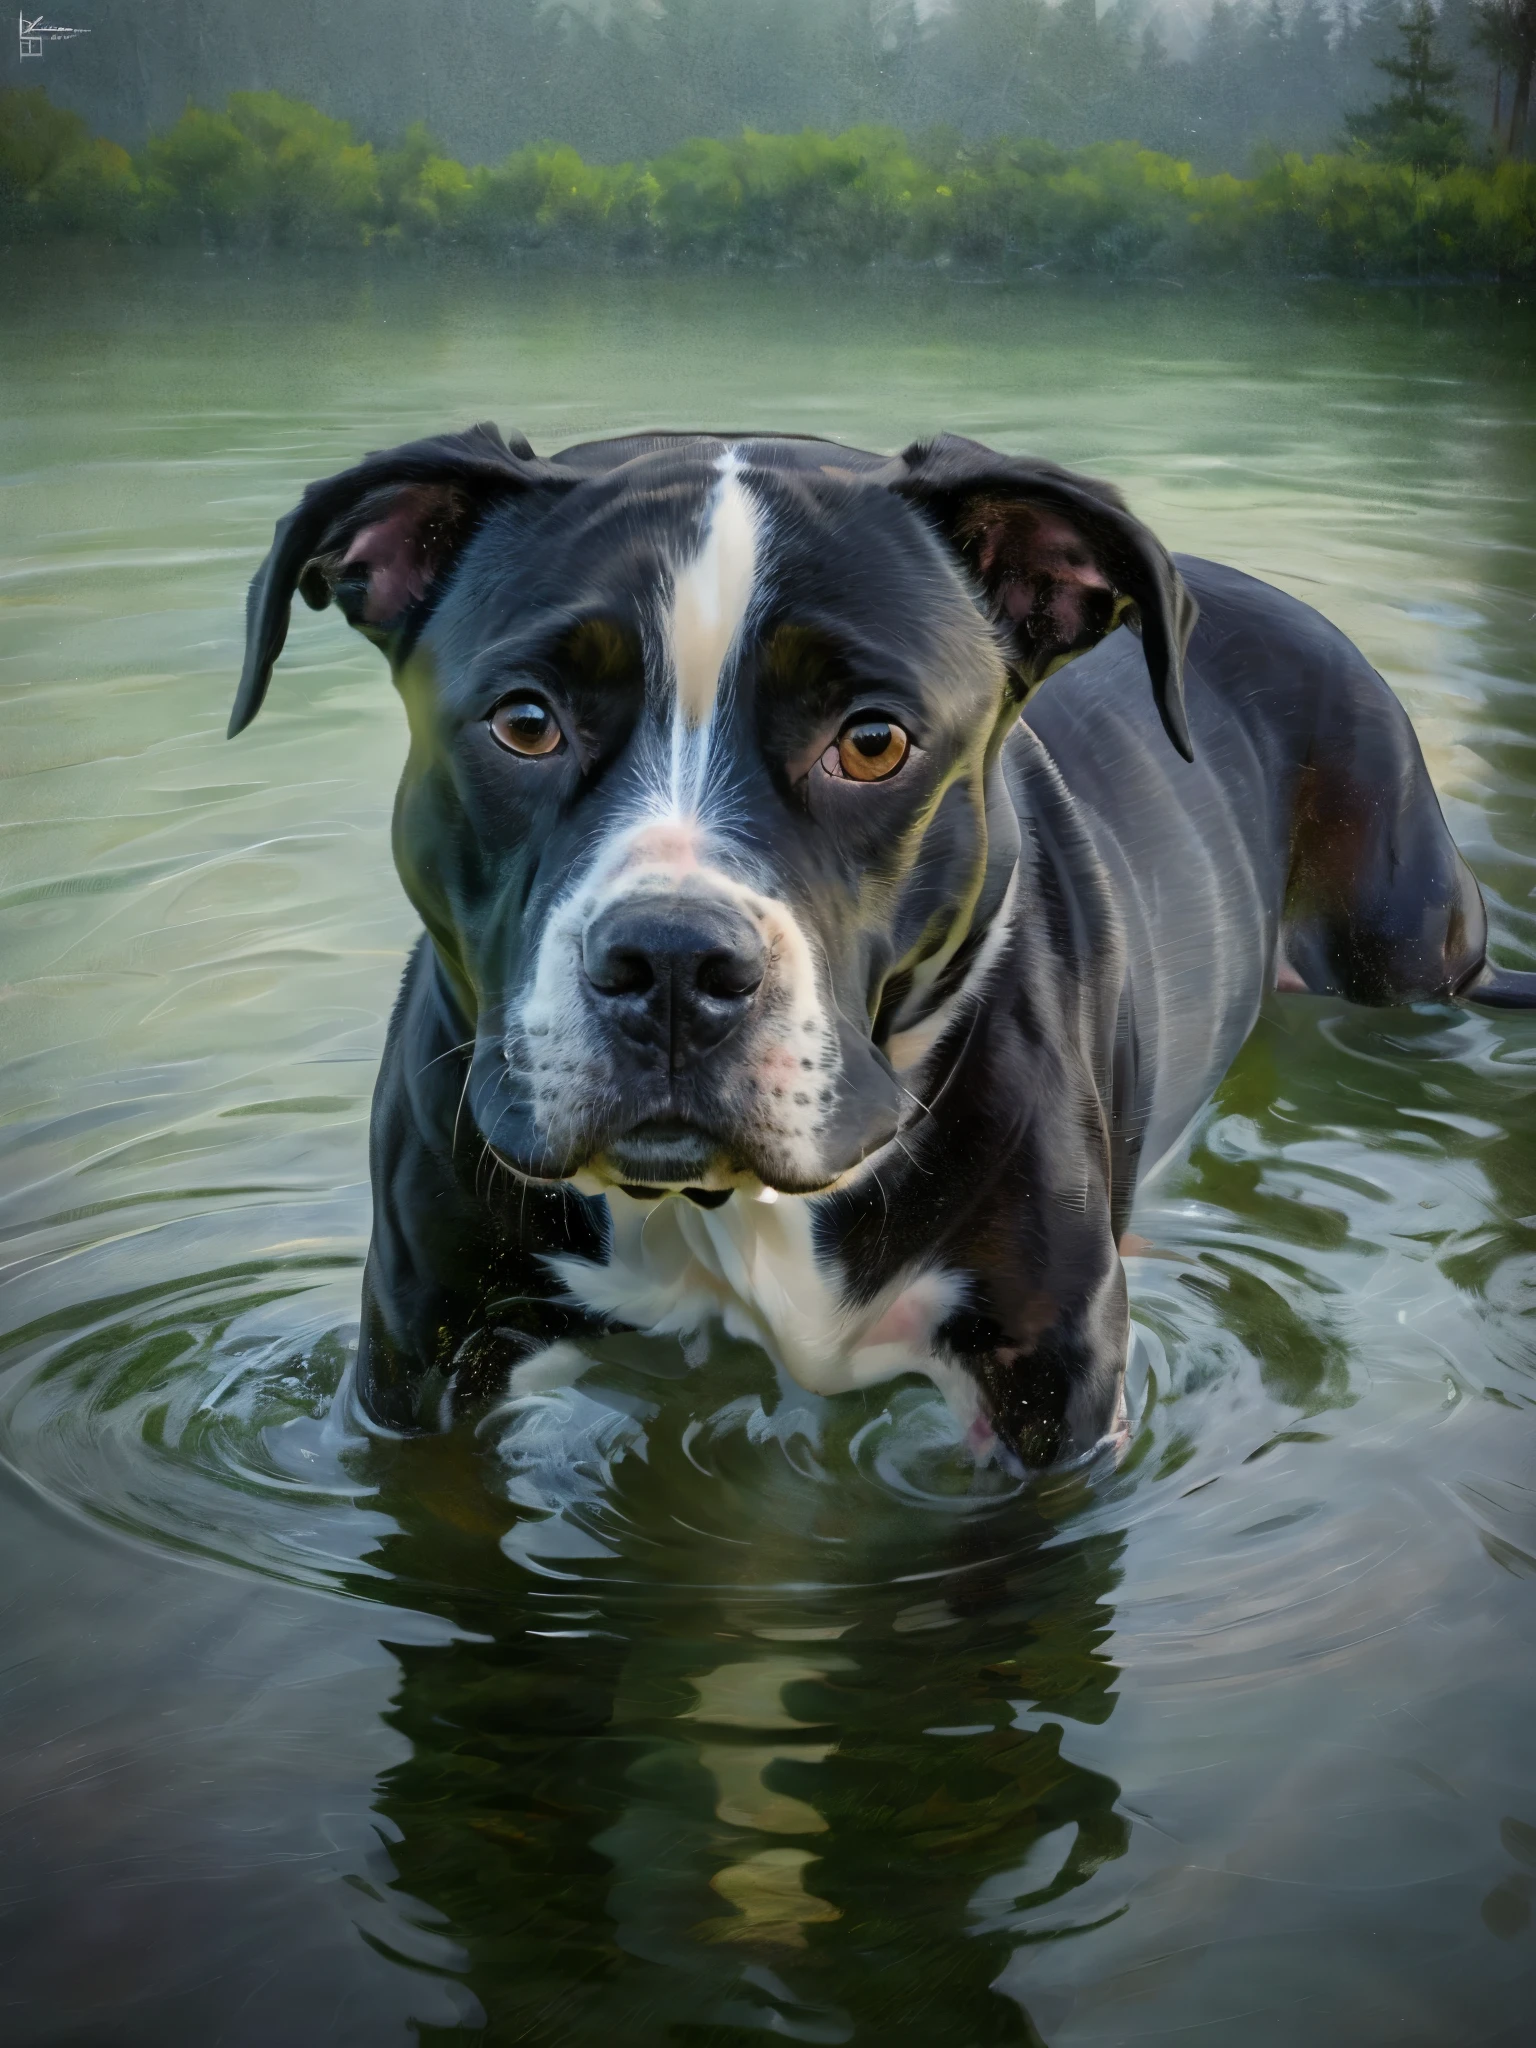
(1311,44)
(1415,124)
(1506,30)
(1154,54)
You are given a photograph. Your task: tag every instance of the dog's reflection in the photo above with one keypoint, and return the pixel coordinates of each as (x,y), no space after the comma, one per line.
(814,1783)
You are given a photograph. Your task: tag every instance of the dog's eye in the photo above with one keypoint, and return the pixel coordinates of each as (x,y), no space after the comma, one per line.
(868,749)
(524,726)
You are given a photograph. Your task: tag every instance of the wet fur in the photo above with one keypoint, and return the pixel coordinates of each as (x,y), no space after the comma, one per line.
(1070,946)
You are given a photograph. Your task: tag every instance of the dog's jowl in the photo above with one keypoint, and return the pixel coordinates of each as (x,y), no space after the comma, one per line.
(803,952)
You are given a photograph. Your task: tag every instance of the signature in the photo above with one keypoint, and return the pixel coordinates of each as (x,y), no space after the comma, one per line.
(32,35)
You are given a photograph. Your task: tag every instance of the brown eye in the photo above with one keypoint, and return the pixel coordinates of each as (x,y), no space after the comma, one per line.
(525,726)
(867,750)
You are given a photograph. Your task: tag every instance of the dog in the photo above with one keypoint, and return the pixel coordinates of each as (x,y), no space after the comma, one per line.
(825,922)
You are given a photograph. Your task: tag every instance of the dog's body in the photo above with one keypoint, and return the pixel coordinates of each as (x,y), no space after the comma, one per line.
(722,1017)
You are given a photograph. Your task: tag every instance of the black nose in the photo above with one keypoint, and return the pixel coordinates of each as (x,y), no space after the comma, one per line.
(675,976)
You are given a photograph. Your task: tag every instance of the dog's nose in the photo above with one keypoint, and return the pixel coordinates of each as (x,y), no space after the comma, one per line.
(675,977)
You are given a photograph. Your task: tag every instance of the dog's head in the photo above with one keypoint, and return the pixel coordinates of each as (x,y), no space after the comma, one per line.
(703,809)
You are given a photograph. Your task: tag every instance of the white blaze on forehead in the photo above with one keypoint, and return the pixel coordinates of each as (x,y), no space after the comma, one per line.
(678,836)
(711,595)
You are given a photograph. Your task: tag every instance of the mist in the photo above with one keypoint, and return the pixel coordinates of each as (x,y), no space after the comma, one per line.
(627,79)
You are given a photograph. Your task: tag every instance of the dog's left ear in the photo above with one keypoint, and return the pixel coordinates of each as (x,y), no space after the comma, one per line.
(380,540)
(1060,560)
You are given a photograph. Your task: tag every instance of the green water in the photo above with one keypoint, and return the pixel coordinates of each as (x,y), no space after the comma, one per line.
(686,1708)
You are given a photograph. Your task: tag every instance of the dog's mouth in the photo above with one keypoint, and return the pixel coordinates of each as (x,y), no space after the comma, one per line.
(667,1152)
(670,1155)
(692,1140)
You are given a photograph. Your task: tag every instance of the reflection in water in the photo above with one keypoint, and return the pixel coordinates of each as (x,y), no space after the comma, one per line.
(712,1710)
(808,1776)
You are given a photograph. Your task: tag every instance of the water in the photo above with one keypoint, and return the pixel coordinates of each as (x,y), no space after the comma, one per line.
(683,1707)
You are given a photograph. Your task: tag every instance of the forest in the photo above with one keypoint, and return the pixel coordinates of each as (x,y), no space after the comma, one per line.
(621,80)
(1422,176)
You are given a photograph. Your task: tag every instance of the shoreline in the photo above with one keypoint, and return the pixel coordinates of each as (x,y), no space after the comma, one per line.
(271,174)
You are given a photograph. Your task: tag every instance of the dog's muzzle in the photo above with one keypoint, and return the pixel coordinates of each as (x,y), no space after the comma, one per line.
(672,983)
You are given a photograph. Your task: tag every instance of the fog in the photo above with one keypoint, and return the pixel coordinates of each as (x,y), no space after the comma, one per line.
(625,79)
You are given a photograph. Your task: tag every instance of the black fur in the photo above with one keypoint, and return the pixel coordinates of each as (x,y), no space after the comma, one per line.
(1265,804)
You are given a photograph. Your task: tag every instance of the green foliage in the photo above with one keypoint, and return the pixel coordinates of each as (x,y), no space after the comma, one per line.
(268,170)
(1417,124)
(274,172)
(37,141)
(52,170)
(1352,216)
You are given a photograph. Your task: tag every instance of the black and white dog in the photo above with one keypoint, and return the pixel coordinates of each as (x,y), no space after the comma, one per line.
(776,972)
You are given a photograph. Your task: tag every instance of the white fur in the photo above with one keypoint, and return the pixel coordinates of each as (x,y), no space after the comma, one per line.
(749,1266)
(675,1268)
(676,840)
(711,597)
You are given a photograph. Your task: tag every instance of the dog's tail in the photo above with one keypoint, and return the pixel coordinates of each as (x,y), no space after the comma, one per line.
(1499,988)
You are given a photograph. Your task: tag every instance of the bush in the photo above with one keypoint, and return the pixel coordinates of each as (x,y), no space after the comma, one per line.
(273,171)
(54,176)
(270,170)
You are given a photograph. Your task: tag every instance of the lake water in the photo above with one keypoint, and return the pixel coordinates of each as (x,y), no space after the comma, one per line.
(686,1708)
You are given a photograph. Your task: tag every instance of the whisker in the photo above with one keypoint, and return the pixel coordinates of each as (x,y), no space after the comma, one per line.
(925,1171)
(453,1144)
(446,1054)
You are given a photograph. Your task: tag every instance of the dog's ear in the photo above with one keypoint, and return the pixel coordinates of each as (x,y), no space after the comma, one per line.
(1060,562)
(378,539)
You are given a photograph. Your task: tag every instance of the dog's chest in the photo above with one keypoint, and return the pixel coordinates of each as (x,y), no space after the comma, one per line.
(753,1267)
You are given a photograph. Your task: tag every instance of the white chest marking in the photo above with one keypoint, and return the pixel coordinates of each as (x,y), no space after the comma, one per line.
(674,1268)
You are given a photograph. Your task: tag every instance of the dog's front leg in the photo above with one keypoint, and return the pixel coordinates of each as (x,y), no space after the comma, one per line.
(455,1294)
(425,1340)
(1044,1338)
(1058,1393)
(456,1290)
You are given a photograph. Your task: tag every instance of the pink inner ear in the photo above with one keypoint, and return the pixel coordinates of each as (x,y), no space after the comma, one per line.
(398,565)
(1035,562)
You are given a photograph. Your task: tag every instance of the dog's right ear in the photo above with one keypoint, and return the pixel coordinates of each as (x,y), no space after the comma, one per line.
(378,540)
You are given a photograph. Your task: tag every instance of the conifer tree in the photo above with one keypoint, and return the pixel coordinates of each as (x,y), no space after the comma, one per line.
(1416,123)
(1154,54)
(1506,30)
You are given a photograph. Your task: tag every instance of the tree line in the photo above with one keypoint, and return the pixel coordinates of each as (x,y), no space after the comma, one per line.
(273,172)
(631,79)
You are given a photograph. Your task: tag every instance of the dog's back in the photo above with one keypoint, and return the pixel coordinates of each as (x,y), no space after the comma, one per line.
(1302,846)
